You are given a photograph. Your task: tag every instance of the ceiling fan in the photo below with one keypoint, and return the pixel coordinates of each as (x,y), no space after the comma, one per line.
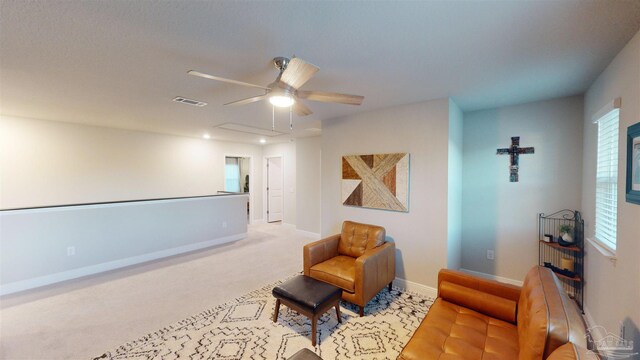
(285,90)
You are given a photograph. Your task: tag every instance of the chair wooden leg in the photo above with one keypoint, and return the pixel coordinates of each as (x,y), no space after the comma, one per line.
(361,311)
(338,313)
(313,330)
(390,285)
(275,314)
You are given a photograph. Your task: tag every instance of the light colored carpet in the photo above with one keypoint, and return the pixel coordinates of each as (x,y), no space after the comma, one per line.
(83,318)
(243,329)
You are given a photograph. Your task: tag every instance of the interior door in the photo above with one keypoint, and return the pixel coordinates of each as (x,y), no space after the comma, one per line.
(274,189)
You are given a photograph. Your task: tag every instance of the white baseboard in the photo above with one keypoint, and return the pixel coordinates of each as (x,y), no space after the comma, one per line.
(416,288)
(258,221)
(309,234)
(23,285)
(493,277)
(587,318)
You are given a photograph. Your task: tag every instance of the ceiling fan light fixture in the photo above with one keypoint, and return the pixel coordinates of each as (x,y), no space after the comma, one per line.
(281,100)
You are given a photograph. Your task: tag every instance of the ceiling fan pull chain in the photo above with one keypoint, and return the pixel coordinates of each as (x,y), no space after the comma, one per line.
(291,118)
(273,118)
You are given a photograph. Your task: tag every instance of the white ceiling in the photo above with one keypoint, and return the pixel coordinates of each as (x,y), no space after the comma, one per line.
(119,63)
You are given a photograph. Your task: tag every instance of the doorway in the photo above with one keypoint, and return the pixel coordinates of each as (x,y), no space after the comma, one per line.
(275,189)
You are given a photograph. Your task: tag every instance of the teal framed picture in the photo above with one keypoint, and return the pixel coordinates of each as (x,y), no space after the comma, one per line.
(633,164)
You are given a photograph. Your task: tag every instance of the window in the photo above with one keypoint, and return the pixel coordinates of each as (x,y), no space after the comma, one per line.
(607,179)
(232,175)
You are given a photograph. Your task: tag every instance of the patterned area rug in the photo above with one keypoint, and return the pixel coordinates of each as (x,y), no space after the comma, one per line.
(243,329)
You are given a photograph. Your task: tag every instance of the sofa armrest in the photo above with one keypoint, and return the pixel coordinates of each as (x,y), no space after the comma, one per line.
(570,351)
(507,291)
(374,270)
(319,251)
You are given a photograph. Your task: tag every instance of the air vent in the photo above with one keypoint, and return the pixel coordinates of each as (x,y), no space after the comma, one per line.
(189,101)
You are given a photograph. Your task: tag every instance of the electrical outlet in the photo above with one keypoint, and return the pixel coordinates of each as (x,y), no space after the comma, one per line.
(224,224)
(71,250)
(490,255)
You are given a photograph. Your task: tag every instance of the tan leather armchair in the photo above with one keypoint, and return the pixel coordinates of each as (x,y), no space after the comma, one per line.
(358,260)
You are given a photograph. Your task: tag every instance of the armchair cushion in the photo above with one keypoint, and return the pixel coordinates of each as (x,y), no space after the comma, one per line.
(357,238)
(319,251)
(339,271)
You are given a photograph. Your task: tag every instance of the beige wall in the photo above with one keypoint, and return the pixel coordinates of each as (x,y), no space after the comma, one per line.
(52,163)
(420,129)
(502,216)
(613,287)
(308,155)
(288,152)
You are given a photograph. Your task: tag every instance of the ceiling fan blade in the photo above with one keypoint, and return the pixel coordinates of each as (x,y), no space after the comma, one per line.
(301,109)
(217,78)
(331,97)
(298,72)
(247,100)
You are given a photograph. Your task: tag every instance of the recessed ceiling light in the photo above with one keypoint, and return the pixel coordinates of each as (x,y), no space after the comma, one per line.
(262,141)
(206,136)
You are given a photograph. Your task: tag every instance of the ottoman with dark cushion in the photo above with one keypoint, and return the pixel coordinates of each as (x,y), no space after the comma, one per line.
(305,354)
(309,297)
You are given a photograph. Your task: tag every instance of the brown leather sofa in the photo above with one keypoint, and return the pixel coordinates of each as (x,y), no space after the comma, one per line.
(358,260)
(475,318)
(571,351)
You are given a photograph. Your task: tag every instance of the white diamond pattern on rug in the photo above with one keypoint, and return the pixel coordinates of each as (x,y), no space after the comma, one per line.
(244,329)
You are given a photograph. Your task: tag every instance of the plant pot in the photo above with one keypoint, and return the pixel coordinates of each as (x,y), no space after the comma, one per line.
(565,240)
(567,237)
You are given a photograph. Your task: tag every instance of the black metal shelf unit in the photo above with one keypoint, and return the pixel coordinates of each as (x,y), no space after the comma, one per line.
(552,250)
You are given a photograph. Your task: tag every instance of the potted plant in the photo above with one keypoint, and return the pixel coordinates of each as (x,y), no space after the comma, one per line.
(566,232)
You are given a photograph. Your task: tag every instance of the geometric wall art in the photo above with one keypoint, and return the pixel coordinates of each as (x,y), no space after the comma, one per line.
(379,181)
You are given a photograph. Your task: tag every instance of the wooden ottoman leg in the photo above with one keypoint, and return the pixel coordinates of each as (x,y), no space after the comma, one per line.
(338,312)
(313,330)
(361,311)
(275,314)
(390,285)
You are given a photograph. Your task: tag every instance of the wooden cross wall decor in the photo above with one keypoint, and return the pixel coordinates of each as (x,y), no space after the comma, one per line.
(514,151)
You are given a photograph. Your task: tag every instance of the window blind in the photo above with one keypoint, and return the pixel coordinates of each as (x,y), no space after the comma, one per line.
(607,179)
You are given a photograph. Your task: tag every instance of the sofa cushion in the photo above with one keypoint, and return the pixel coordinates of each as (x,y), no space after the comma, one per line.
(547,318)
(357,238)
(339,271)
(488,304)
(452,332)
